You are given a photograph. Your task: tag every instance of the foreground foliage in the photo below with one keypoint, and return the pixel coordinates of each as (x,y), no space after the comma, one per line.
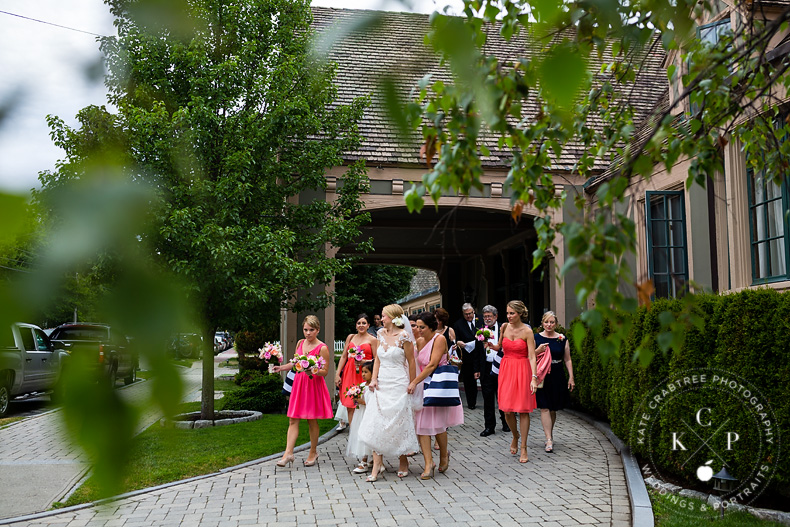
(567,91)
(196,193)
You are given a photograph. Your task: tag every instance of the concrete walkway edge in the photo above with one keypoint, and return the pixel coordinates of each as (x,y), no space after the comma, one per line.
(6,521)
(641,508)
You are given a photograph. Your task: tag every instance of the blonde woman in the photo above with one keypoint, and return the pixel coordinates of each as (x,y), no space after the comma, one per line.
(388,424)
(517,378)
(309,397)
(554,394)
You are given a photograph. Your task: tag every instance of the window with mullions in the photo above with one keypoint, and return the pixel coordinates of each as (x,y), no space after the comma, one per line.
(667,253)
(712,33)
(768,207)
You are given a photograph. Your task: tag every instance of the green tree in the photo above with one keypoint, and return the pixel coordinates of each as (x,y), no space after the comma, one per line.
(224,128)
(366,289)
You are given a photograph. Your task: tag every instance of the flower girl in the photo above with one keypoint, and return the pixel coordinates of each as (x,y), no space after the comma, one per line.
(356,449)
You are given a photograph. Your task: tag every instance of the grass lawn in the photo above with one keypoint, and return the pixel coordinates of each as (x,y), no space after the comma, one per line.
(162,455)
(5,421)
(669,513)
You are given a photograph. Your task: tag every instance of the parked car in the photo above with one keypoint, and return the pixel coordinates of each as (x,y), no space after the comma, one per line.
(105,347)
(221,341)
(186,345)
(29,363)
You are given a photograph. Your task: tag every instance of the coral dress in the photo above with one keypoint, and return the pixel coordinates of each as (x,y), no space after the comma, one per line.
(515,375)
(432,420)
(351,377)
(309,396)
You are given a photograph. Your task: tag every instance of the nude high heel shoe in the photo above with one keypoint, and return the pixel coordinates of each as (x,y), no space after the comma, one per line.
(444,466)
(287,460)
(311,463)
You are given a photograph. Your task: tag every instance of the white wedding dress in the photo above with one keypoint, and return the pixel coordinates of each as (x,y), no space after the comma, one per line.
(388,424)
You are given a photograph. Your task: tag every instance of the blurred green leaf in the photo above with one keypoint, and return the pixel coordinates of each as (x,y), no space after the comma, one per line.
(13,217)
(563,72)
(394,104)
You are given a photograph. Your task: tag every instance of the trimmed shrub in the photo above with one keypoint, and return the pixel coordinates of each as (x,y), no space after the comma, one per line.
(746,336)
(259,392)
(248,344)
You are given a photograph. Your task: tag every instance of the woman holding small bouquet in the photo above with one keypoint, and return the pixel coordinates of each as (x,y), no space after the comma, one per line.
(555,392)
(359,349)
(309,396)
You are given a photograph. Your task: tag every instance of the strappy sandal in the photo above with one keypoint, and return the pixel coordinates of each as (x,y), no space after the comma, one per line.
(514,449)
(524,458)
(444,466)
(374,477)
(549,447)
(428,474)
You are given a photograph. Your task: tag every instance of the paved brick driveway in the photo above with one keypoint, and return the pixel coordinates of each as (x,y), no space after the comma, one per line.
(582,483)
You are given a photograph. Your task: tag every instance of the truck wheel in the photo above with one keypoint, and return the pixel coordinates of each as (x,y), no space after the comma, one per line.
(5,396)
(131,378)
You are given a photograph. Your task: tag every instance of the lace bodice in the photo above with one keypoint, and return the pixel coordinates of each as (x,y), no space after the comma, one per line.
(392,355)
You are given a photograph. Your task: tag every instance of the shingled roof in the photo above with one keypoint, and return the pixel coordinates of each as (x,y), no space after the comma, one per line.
(395,47)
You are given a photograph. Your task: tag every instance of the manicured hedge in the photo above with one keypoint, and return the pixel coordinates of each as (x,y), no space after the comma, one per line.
(259,392)
(745,334)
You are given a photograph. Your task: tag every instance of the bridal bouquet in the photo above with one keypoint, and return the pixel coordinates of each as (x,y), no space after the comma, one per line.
(309,364)
(483,334)
(272,354)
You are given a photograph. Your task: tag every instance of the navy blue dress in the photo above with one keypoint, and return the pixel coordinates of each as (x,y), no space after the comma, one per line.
(554,394)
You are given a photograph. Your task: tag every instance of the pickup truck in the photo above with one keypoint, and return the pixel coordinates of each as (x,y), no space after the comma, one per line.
(29,363)
(103,346)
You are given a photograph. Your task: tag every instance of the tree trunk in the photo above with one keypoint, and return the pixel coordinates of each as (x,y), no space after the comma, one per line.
(207,394)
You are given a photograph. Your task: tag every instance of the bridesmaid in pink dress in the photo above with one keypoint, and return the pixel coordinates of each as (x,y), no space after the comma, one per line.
(433,420)
(517,379)
(347,365)
(309,397)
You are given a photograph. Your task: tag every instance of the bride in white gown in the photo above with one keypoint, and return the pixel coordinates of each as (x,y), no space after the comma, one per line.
(388,424)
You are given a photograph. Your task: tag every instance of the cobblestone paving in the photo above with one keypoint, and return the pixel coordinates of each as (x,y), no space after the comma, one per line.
(582,483)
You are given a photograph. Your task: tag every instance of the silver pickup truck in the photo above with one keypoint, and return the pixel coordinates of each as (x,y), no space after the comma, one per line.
(28,363)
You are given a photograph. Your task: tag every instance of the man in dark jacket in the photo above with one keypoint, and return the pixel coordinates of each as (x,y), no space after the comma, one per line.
(470,350)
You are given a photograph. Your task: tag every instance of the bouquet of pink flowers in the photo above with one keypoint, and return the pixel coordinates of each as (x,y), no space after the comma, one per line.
(272,354)
(483,334)
(356,353)
(309,364)
(355,390)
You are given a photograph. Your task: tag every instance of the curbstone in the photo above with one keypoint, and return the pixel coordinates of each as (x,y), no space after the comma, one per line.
(229,417)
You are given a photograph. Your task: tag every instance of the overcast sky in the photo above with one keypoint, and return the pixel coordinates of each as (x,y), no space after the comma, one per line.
(44,70)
